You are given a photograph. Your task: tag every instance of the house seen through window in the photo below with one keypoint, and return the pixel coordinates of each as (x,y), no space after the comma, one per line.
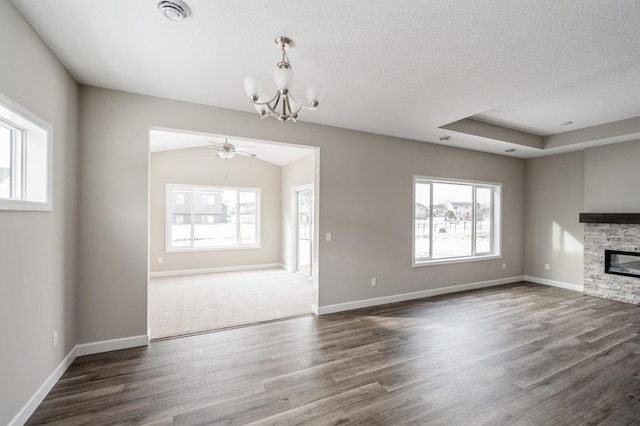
(209,218)
(455,220)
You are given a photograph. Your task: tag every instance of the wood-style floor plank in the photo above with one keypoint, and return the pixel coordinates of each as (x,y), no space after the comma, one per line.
(515,354)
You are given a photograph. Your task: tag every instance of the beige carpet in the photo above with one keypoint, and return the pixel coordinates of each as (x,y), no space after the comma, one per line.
(198,303)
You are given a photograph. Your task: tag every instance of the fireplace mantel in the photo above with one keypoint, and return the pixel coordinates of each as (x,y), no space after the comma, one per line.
(633,218)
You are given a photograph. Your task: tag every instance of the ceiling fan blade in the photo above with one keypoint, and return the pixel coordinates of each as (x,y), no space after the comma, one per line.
(245,154)
(245,148)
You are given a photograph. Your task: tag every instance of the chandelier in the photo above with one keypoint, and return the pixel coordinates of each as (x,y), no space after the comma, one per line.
(283,105)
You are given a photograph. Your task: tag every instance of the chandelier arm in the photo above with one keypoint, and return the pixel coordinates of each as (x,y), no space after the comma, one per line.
(297,103)
(272,108)
(277,95)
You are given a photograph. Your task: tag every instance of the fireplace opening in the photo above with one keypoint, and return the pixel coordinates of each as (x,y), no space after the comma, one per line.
(622,263)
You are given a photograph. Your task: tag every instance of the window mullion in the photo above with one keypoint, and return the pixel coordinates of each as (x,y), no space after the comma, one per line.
(23,163)
(192,217)
(431,225)
(238,239)
(473,219)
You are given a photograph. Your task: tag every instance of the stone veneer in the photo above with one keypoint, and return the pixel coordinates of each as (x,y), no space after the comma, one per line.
(597,238)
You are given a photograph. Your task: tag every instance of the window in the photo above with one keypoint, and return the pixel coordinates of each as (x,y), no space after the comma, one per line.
(25,159)
(455,220)
(211,218)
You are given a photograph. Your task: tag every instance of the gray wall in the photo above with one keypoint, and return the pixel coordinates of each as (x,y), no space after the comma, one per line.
(554,198)
(204,167)
(365,193)
(38,250)
(612,177)
(558,188)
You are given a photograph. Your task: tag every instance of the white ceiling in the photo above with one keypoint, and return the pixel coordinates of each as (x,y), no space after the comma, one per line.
(416,69)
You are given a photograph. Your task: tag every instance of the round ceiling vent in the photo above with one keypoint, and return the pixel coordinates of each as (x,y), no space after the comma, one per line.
(176,10)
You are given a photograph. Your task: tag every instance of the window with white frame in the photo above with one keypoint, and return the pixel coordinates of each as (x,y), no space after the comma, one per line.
(25,159)
(210,218)
(455,220)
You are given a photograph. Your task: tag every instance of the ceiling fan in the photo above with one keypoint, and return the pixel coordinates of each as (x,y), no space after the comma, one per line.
(228,150)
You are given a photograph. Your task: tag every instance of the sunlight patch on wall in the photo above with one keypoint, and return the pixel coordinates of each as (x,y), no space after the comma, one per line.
(564,241)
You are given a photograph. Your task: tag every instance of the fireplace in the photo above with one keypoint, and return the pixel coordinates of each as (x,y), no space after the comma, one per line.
(625,263)
(612,256)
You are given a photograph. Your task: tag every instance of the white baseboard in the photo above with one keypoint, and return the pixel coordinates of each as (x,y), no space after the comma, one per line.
(37,398)
(574,287)
(112,345)
(79,350)
(213,270)
(340,307)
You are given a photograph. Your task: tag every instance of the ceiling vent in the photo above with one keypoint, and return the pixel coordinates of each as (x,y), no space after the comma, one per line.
(176,10)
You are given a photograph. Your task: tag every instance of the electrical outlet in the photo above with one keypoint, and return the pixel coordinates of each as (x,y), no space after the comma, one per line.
(504,266)
(374,282)
(547,267)
(55,338)
(327,237)
(159,260)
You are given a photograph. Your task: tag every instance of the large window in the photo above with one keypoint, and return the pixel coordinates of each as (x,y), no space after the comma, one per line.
(455,220)
(25,165)
(210,218)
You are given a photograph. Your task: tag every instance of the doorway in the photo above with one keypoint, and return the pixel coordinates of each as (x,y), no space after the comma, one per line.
(196,286)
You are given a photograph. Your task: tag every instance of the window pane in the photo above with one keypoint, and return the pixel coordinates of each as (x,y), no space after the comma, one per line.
(422,220)
(180,234)
(483,220)
(248,223)
(452,204)
(36,170)
(214,213)
(5,162)
(208,217)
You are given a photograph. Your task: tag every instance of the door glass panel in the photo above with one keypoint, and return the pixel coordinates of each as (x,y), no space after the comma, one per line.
(305,232)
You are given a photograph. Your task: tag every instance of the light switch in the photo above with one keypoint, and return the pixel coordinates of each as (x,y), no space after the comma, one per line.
(328,237)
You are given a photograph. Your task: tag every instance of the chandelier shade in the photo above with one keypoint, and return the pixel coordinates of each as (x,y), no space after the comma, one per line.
(282,105)
(283,78)
(252,86)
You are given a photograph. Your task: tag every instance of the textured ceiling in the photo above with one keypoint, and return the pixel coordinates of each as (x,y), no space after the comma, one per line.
(417,69)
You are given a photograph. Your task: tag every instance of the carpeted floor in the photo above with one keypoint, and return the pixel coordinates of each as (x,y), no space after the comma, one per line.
(197,303)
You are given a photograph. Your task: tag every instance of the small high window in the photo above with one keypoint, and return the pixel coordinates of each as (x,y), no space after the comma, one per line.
(25,159)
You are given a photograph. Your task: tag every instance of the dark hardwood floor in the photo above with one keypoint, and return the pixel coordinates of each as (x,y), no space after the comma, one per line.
(514,354)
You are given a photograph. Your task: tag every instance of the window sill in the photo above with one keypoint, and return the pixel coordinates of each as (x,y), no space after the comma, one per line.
(466,259)
(24,205)
(197,249)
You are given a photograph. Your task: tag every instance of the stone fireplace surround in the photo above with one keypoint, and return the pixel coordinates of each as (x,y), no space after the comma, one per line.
(613,231)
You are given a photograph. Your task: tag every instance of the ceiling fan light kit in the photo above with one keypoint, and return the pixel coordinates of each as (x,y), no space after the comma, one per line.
(228,150)
(282,105)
